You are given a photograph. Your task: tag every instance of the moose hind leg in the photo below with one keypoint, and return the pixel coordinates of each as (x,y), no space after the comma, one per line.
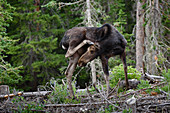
(106,72)
(123,58)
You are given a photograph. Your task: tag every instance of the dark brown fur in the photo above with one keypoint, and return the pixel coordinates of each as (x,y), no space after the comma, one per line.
(108,42)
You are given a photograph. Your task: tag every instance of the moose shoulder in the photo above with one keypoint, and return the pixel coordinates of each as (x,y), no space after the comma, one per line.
(84,44)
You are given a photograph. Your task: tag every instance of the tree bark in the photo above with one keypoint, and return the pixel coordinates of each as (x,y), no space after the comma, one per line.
(89,24)
(152,33)
(140,35)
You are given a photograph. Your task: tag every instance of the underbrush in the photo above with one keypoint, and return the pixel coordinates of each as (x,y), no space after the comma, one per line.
(60,95)
(118,73)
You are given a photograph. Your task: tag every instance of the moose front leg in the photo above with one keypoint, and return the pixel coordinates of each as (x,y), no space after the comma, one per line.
(69,72)
(104,61)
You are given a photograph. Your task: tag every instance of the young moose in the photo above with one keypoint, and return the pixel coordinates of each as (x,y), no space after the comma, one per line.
(84,44)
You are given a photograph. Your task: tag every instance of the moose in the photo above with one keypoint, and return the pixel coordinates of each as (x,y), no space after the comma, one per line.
(84,44)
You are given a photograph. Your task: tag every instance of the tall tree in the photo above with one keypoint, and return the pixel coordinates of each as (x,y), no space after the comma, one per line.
(140,35)
(37,30)
(152,31)
(8,72)
(150,41)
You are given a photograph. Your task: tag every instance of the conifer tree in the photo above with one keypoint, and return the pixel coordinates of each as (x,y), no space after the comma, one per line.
(8,72)
(37,30)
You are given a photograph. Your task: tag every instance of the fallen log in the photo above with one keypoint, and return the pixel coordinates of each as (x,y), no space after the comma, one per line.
(10,95)
(26,94)
(38,93)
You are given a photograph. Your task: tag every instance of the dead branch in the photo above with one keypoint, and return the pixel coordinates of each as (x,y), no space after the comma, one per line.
(75,105)
(105,98)
(114,87)
(153,78)
(62,4)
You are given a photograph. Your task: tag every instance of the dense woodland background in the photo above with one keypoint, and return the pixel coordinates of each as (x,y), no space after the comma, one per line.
(31,30)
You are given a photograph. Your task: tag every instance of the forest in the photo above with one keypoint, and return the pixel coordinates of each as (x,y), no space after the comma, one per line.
(32,59)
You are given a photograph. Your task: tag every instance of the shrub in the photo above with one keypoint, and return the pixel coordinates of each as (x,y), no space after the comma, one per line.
(118,72)
(166,75)
(59,94)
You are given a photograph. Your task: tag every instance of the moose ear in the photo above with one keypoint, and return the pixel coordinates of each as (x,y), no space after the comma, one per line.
(103,32)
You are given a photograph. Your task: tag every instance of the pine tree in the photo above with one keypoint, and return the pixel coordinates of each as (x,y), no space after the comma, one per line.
(37,30)
(8,72)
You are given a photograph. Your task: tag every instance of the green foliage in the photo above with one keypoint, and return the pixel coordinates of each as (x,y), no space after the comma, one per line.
(32,40)
(8,73)
(127,110)
(166,75)
(157,90)
(60,94)
(121,21)
(166,88)
(26,107)
(38,33)
(5,16)
(83,77)
(143,84)
(109,109)
(118,73)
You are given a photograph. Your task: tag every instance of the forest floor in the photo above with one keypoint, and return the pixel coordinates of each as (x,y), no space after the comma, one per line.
(150,99)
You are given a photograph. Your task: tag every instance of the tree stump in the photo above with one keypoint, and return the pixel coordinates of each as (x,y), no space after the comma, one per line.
(4,89)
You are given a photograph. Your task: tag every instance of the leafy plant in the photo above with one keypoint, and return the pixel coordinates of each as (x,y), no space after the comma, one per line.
(157,90)
(166,88)
(59,94)
(127,110)
(109,109)
(166,75)
(144,84)
(24,106)
(118,73)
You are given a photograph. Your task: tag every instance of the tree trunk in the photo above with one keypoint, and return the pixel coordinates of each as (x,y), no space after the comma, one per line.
(140,35)
(89,24)
(34,83)
(152,34)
